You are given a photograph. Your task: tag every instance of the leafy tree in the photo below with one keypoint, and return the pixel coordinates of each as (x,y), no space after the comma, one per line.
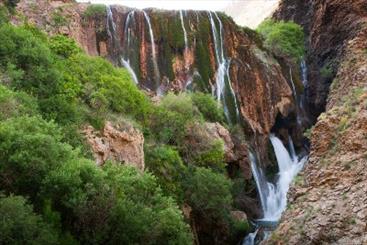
(144,215)
(208,107)
(211,156)
(20,225)
(29,149)
(95,10)
(64,46)
(169,121)
(166,164)
(14,104)
(285,39)
(208,193)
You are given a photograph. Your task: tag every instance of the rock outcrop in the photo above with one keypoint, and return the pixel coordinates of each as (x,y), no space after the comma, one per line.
(120,144)
(328,203)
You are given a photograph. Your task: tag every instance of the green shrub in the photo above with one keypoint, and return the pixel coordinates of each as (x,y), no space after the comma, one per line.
(20,225)
(285,39)
(212,156)
(29,149)
(166,164)
(11,5)
(168,122)
(64,46)
(95,10)
(208,107)
(143,215)
(209,194)
(15,104)
(4,15)
(58,19)
(326,71)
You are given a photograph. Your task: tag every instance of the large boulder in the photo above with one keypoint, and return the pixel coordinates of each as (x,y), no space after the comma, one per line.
(118,143)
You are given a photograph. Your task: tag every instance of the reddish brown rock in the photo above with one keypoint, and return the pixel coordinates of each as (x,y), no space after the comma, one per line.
(117,143)
(329,206)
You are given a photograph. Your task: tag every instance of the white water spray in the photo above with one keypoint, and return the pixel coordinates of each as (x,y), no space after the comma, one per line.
(222,73)
(273,196)
(184,31)
(125,60)
(154,55)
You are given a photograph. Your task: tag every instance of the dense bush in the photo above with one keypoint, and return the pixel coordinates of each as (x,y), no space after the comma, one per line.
(95,10)
(13,104)
(211,156)
(208,107)
(165,163)
(210,193)
(285,39)
(20,225)
(29,149)
(64,46)
(169,121)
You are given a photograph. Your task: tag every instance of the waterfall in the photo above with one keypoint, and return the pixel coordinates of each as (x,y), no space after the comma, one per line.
(154,55)
(125,60)
(184,31)
(111,24)
(304,73)
(111,31)
(273,196)
(222,78)
(292,83)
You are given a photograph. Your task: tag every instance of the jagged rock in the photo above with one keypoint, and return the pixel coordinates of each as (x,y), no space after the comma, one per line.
(121,144)
(329,207)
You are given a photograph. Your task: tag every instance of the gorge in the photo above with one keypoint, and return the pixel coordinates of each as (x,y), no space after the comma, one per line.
(197,97)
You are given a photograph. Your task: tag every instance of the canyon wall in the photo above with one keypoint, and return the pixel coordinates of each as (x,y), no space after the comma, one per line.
(328,202)
(178,51)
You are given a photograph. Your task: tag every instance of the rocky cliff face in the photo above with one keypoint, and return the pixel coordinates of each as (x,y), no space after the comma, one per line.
(173,51)
(186,53)
(328,203)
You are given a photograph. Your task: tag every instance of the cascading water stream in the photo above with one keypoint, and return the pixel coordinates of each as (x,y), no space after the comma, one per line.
(273,196)
(184,30)
(125,60)
(154,55)
(222,78)
(111,31)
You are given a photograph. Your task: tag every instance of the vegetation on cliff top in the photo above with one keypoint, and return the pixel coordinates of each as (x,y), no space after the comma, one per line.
(285,39)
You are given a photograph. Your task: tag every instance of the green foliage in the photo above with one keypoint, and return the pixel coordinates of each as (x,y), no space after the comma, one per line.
(95,10)
(211,156)
(20,225)
(4,15)
(285,39)
(169,121)
(209,193)
(13,104)
(144,216)
(29,149)
(11,4)
(166,164)
(58,18)
(327,71)
(64,46)
(208,107)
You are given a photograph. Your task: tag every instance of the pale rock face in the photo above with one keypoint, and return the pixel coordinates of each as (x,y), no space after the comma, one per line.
(124,145)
